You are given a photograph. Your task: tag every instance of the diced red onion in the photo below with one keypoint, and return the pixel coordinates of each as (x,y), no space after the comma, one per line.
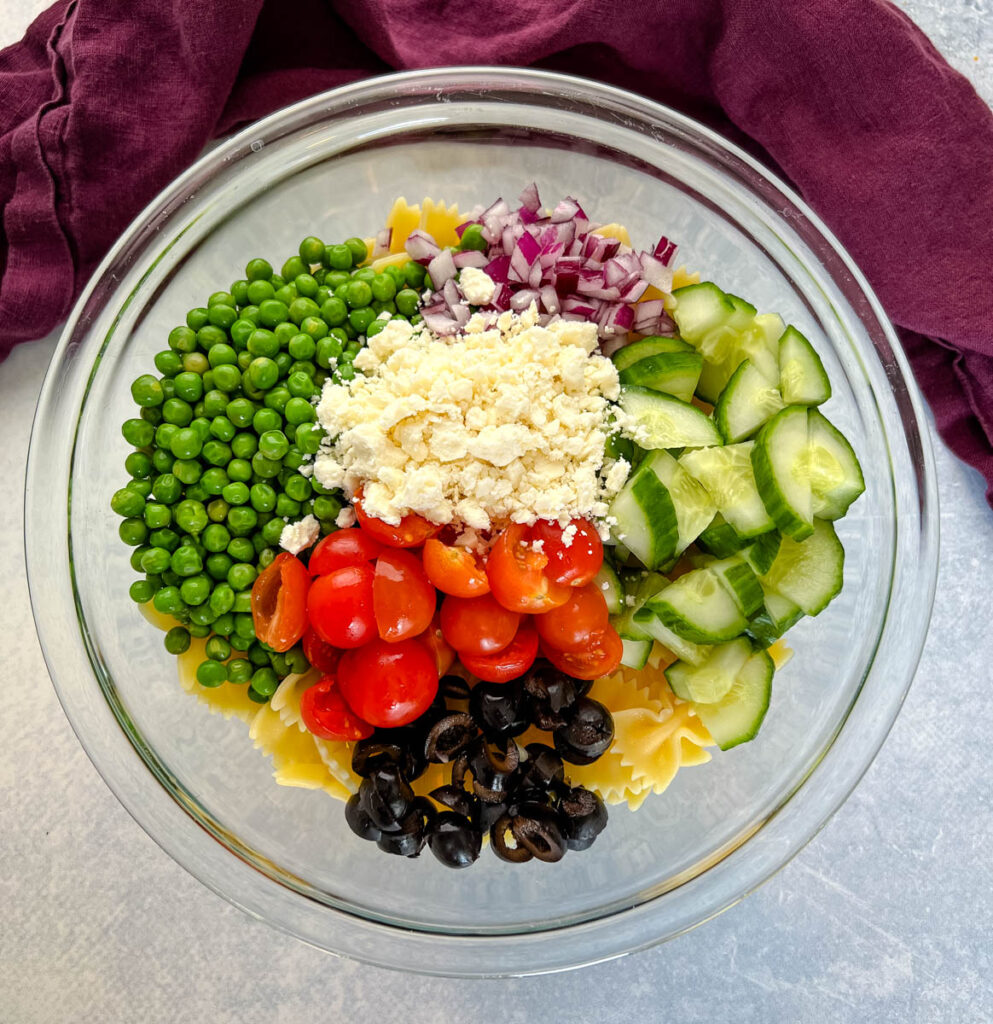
(421,247)
(647,314)
(529,198)
(665,251)
(381,246)
(440,323)
(522,299)
(498,269)
(549,298)
(453,296)
(470,258)
(655,272)
(442,268)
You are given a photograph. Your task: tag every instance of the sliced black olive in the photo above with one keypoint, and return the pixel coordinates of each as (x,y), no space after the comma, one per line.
(500,830)
(359,821)
(386,797)
(459,800)
(584,817)
(487,814)
(454,688)
(552,693)
(501,709)
(459,767)
(542,769)
(409,838)
(538,828)
(454,840)
(448,737)
(368,754)
(587,733)
(492,766)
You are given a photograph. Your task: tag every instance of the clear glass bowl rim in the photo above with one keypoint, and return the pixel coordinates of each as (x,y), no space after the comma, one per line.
(173,827)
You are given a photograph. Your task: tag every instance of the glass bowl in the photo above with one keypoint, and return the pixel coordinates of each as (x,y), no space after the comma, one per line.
(332,166)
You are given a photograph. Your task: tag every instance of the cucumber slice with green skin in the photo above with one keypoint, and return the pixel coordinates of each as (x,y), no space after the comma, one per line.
(802,378)
(698,607)
(673,373)
(780,462)
(638,588)
(747,401)
(808,572)
(720,538)
(617,446)
(762,553)
(728,476)
(738,716)
(662,421)
(694,507)
(646,519)
(759,343)
(710,681)
(609,584)
(636,652)
(777,616)
(645,347)
(835,474)
(741,583)
(657,630)
(699,309)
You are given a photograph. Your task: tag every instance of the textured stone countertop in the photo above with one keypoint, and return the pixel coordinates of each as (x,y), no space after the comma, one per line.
(887,915)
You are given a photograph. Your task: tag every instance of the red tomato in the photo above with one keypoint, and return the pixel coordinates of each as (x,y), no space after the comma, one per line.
(341,548)
(325,713)
(576,564)
(388,684)
(600,657)
(319,652)
(454,571)
(513,661)
(403,599)
(340,606)
(477,625)
(279,602)
(568,627)
(411,532)
(515,572)
(434,641)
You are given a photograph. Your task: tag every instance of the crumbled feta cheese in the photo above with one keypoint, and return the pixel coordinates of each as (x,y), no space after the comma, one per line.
(569,535)
(630,600)
(345,518)
(477,286)
(298,536)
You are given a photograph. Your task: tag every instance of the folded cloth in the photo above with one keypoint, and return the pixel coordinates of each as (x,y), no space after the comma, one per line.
(105,101)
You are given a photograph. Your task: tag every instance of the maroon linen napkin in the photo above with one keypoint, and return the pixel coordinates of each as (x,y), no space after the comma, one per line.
(104,101)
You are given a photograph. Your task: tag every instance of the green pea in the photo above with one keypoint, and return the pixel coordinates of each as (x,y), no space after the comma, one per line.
(360,319)
(208,385)
(196,318)
(196,492)
(277,398)
(265,682)
(239,411)
(414,275)
(215,537)
(338,257)
(407,301)
(283,363)
(208,336)
(328,352)
(323,294)
(300,346)
(287,507)
(358,248)
(223,429)
(221,355)
(262,497)
(299,410)
(263,343)
(258,655)
(306,285)
(146,390)
(168,602)
(235,493)
(244,445)
(314,326)
(311,250)
(301,308)
(239,643)
(375,327)
(139,433)
(199,629)
(271,312)
(472,238)
(286,295)
(191,516)
(177,640)
(185,443)
(239,671)
(151,414)
(155,560)
(168,389)
(223,315)
(273,444)
(227,378)
(358,295)
(164,538)
(383,287)
(217,649)
(222,598)
(241,575)
(142,486)
(185,561)
(186,471)
(202,615)
(141,591)
(243,603)
(259,292)
(272,530)
(263,372)
(166,488)
(157,516)
(218,454)
(296,660)
(164,433)
(293,268)
(195,362)
(239,470)
(127,503)
(212,673)
(218,565)
(195,590)
(326,509)
(241,549)
(182,339)
(297,487)
(251,313)
(177,412)
(239,292)
(215,479)
(168,362)
(217,510)
(241,331)
(265,468)
(266,557)
(258,270)
(279,664)
(223,625)
(266,419)
(300,385)
(346,372)
(242,520)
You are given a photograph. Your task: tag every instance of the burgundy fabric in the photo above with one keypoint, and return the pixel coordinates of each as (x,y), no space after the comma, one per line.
(104,101)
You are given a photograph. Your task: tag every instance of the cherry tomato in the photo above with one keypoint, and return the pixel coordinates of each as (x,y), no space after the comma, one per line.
(411,532)
(600,657)
(513,661)
(319,652)
(279,602)
(440,650)
(515,572)
(341,548)
(454,570)
(568,627)
(340,606)
(388,684)
(325,713)
(403,599)
(576,564)
(477,625)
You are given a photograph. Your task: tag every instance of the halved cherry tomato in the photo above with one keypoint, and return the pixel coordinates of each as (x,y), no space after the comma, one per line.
(325,713)
(388,684)
(279,602)
(600,657)
(411,532)
(403,599)
(477,625)
(568,627)
(341,548)
(454,570)
(340,606)
(515,572)
(438,647)
(513,661)
(574,564)
(319,652)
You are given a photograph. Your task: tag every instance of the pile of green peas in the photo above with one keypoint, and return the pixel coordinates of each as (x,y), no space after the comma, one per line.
(224,428)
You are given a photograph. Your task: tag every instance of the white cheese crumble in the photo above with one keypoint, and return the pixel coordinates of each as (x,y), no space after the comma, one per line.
(298,536)
(345,518)
(477,286)
(505,422)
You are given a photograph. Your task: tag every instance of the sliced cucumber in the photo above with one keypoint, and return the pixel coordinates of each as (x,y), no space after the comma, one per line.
(674,373)
(608,583)
(727,474)
(780,460)
(762,553)
(699,309)
(835,474)
(748,401)
(693,505)
(645,347)
(808,572)
(802,378)
(636,652)
(720,538)
(646,519)
(638,588)
(777,615)
(662,421)
(759,343)
(698,607)
(710,681)
(738,716)
(741,583)
(657,630)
